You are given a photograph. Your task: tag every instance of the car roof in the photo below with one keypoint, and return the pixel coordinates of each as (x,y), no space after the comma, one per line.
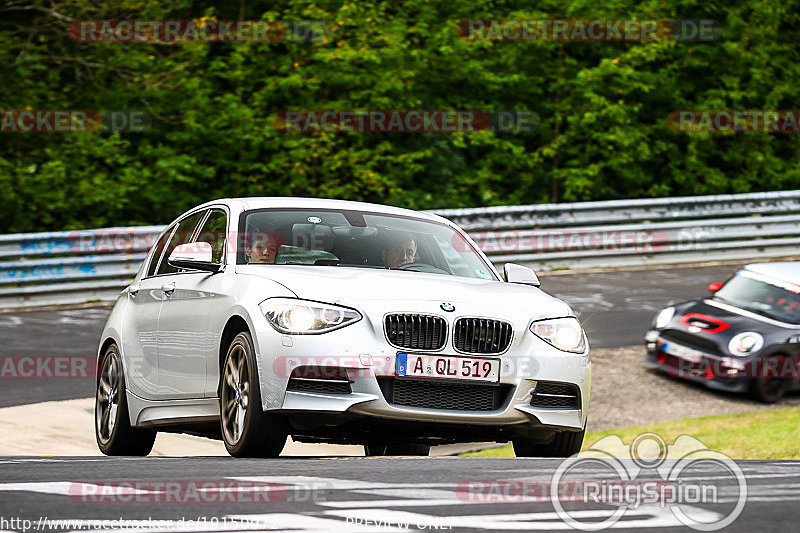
(788,271)
(248,203)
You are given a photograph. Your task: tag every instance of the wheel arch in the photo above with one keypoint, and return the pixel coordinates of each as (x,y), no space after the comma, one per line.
(108,341)
(235,324)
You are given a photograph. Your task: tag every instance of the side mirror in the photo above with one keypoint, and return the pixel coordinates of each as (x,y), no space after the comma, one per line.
(194,256)
(714,287)
(520,274)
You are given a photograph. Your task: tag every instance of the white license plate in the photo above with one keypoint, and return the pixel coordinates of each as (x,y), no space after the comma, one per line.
(447,367)
(683,352)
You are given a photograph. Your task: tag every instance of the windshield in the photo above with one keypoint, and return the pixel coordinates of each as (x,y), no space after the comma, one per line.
(769,298)
(355,239)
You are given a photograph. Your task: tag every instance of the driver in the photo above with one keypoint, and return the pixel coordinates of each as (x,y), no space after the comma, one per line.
(265,247)
(402,250)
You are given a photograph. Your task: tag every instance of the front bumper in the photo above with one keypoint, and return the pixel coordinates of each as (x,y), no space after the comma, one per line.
(367,398)
(362,352)
(714,371)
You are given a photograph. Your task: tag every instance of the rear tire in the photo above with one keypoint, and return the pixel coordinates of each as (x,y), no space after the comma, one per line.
(564,444)
(246,429)
(408,449)
(112,424)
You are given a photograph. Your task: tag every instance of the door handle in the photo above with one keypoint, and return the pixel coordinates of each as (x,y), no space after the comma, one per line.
(168,288)
(133,290)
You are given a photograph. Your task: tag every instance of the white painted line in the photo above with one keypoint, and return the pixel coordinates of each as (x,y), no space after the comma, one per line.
(329,483)
(365,504)
(65,488)
(320,482)
(411,493)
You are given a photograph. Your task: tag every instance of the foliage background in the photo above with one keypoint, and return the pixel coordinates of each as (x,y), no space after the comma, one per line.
(603,108)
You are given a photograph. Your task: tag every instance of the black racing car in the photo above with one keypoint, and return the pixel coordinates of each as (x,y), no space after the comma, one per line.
(745,337)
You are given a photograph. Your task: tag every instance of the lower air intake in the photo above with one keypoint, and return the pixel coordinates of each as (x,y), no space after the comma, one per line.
(553,395)
(447,396)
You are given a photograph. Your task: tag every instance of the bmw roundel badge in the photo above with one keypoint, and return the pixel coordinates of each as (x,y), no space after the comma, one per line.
(448,307)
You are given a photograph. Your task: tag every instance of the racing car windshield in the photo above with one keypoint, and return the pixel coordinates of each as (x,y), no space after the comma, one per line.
(770,298)
(339,238)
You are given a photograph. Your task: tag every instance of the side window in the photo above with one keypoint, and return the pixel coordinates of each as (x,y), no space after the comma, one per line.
(157,249)
(214,233)
(182,235)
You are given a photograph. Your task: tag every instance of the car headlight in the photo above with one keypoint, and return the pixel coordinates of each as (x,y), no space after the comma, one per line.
(745,343)
(302,317)
(663,318)
(566,334)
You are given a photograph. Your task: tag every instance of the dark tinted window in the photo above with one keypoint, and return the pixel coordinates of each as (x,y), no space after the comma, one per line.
(181,236)
(213,232)
(157,249)
(356,239)
(769,298)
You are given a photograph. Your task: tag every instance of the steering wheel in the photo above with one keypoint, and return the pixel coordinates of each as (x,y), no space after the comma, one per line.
(422,267)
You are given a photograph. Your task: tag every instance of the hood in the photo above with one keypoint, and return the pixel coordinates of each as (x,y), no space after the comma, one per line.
(342,285)
(719,325)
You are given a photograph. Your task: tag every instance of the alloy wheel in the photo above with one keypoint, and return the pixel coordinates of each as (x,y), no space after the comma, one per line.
(108,395)
(235,393)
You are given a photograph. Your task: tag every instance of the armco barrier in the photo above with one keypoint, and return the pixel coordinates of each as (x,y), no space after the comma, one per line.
(86,265)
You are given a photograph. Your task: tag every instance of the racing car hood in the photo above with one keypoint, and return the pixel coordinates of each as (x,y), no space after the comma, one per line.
(349,285)
(718,322)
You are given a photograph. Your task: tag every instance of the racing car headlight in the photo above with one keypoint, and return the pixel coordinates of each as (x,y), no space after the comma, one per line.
(663,318)
(302,317)
(565,334)
(745,343)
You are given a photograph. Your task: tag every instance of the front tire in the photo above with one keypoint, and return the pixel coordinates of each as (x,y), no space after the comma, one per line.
(246,429)
(768,388)
(112,426)
(564,444)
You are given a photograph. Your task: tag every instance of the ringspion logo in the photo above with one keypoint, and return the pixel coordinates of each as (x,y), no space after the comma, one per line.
(702,488)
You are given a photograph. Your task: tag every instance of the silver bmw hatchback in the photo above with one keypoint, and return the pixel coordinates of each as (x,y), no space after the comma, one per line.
(255,319)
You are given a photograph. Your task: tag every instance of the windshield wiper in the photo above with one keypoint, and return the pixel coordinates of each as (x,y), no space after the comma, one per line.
(362,266)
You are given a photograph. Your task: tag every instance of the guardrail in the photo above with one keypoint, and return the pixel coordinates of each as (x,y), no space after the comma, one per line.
(86,265)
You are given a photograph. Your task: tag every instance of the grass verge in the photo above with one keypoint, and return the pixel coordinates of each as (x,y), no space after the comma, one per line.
(773,434)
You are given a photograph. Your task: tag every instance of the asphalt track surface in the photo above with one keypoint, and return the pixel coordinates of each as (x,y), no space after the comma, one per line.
(615,307)
(366,494)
